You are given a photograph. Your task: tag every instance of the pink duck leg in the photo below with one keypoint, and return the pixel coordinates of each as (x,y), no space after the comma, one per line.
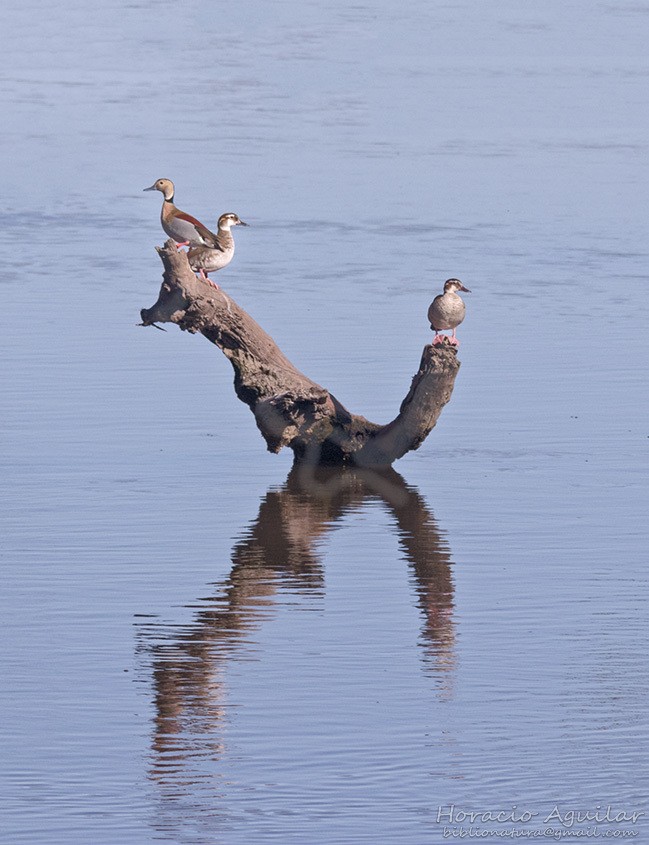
(203,275)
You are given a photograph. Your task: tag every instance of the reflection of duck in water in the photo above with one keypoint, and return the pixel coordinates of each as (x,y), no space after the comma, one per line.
(281,549)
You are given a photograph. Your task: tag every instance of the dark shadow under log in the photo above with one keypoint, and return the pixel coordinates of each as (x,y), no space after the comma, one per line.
(289,408)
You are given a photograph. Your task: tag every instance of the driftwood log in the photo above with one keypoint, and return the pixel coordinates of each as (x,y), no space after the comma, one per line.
(290,409)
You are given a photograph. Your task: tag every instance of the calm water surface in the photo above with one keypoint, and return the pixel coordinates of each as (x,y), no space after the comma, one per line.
(201,645)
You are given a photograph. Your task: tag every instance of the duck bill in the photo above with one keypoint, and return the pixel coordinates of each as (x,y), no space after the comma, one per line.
(241,223)
(466,290)
(152,188)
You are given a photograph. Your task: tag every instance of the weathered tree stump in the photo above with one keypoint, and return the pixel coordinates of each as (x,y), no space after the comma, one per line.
(290,409)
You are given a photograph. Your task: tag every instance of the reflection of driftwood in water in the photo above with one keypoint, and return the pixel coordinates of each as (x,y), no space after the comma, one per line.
(290,409)
(279,551)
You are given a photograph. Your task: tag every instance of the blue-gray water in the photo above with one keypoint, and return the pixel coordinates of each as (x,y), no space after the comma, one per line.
(200,649)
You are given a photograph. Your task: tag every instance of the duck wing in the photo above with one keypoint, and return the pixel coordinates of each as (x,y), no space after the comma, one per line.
(208,237)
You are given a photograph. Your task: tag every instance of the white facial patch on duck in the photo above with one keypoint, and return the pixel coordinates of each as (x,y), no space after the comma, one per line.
(227,221)
(452,285)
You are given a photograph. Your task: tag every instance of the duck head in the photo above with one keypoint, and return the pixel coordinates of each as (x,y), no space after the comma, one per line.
(229,219)
(454,285)
(166,186)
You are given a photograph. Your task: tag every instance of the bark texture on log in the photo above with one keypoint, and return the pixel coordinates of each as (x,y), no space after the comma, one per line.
(290,409)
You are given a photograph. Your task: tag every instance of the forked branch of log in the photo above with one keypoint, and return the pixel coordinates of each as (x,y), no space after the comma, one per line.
(290,409)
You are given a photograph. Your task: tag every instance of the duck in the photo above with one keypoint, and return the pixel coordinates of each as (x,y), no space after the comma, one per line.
(182,227)
(206,259)
(447,311)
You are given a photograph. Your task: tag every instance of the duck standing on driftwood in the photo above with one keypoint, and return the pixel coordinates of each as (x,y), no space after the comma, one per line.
(447,312)
(182,227)
(206,259)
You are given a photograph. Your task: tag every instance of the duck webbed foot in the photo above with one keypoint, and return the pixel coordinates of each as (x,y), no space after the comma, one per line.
(441,339)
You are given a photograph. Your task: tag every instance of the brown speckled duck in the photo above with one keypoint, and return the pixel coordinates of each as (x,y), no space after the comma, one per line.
(447,312)
(182,227)
(208,260)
